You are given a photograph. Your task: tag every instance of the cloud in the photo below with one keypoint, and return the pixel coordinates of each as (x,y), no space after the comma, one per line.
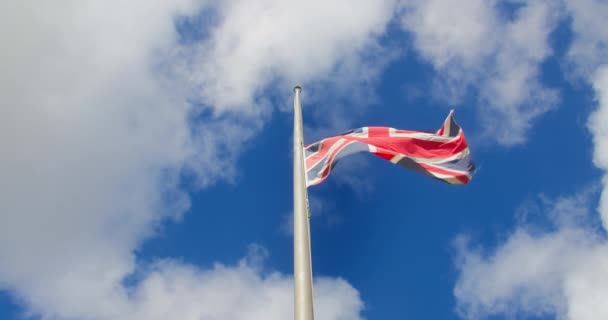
(170,289)
(177,291)
(281,43)
(478,45)
(105,108)
(559,272)
(92,143)
(589,47)
(597,126)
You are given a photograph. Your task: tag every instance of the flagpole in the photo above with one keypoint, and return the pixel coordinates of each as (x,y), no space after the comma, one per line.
(302,269)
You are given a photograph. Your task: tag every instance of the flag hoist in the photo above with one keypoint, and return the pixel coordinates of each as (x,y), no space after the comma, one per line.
(302,268)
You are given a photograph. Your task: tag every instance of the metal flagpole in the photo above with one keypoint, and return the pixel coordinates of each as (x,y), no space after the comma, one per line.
(302,269)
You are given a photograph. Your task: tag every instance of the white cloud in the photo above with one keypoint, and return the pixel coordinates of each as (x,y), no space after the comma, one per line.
(589,47)
(177,291)
(282,43)
(474,45)
(561,272)
(96,130)
(86,133)
(597,125)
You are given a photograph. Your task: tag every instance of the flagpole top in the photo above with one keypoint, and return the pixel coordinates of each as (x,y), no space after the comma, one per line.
(297,88)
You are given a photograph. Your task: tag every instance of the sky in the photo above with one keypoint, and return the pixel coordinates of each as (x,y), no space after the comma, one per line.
(146,158)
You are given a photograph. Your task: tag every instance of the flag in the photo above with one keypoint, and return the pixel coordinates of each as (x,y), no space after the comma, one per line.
(443,155)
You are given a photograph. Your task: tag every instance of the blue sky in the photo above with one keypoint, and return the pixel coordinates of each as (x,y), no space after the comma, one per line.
(147,159)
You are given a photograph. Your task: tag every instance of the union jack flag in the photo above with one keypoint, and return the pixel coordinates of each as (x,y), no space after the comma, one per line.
(443,155)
